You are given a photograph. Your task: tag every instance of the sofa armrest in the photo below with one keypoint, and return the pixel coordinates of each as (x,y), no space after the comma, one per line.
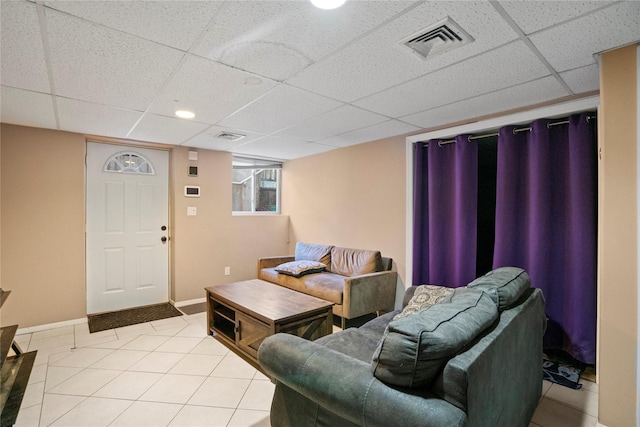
(346,387)
(514,345)
(274,261)
(369,293)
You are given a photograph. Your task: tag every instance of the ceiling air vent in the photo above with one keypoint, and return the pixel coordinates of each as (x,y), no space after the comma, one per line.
(438,38)
(230,136)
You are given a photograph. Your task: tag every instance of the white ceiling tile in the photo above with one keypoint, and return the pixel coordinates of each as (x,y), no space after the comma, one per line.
(280,148)
(210,141)
(99,65)
(571,45)
(529,93)
(209,89)
(507,66)
(278,38)
(26,108)
(272,60)
(334,122)
(112,60)
(379,60)
(381,130)
(172,23)
(532,16)
(166,130)
(583,79)
(282,107)
(95,119)
(23,60)
(360,70)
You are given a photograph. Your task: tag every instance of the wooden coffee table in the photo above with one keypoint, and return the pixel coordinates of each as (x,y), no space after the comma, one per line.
(242,314)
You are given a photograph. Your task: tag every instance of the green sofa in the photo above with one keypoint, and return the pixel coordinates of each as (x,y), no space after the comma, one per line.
(472,358)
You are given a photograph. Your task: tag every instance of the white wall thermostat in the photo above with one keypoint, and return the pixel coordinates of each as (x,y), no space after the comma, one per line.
(191,191)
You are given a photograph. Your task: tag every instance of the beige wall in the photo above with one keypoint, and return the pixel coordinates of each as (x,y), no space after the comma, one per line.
(349,197)
(203,245)
(42,217)
(42,225)
(618,218)
(353,197)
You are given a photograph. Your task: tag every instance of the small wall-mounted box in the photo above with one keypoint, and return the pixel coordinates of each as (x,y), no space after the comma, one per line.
(193,171)
(192,191)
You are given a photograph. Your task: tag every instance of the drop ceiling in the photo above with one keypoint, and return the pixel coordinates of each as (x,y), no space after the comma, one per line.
(295,80)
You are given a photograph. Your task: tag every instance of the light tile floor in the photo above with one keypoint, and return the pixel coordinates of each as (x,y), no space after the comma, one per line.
(163,373)
(563,407)
(170,373)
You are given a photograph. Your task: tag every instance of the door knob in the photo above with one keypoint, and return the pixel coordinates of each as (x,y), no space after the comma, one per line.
(163,228)
(163,239)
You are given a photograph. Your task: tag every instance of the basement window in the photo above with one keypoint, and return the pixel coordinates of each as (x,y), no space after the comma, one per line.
(256,186)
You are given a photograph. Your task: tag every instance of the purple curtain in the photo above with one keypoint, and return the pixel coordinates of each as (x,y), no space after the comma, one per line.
(445,212)
(546,223)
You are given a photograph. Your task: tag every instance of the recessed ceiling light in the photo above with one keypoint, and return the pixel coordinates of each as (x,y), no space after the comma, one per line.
(327,4)
(184,114)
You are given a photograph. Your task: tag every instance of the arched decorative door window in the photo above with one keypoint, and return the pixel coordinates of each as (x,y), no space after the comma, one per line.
(129,162)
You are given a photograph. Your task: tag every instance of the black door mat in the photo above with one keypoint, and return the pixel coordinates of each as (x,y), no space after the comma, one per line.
(131,316)
(196,308)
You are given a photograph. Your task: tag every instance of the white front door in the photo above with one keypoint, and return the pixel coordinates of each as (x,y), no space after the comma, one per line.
(127,227)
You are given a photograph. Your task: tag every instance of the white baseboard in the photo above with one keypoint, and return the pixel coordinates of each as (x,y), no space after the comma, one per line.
(189,302)
(48,326)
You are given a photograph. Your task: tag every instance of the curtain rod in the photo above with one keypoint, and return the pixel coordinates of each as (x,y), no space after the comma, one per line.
(518,130)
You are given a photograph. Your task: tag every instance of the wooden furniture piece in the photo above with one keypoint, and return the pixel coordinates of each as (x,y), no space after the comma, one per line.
(15,371)
(242,314)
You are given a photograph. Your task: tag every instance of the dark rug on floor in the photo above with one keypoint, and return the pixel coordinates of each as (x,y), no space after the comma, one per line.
(131,316)
(194,308)
(561,373)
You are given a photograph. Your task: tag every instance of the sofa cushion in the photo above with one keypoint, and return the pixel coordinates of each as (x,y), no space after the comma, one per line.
(352,343)
(355,262)
(300,268)
(424,297)
(505,285)
(375,327)
(327,286)
(309,252)
(414,349)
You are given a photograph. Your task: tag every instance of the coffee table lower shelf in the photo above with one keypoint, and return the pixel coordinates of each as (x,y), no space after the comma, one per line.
(242,314)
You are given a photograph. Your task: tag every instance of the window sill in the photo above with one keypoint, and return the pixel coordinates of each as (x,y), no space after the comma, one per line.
(255,213)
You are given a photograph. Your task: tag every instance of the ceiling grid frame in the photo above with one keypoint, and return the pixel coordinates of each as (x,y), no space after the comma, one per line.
(304,113)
